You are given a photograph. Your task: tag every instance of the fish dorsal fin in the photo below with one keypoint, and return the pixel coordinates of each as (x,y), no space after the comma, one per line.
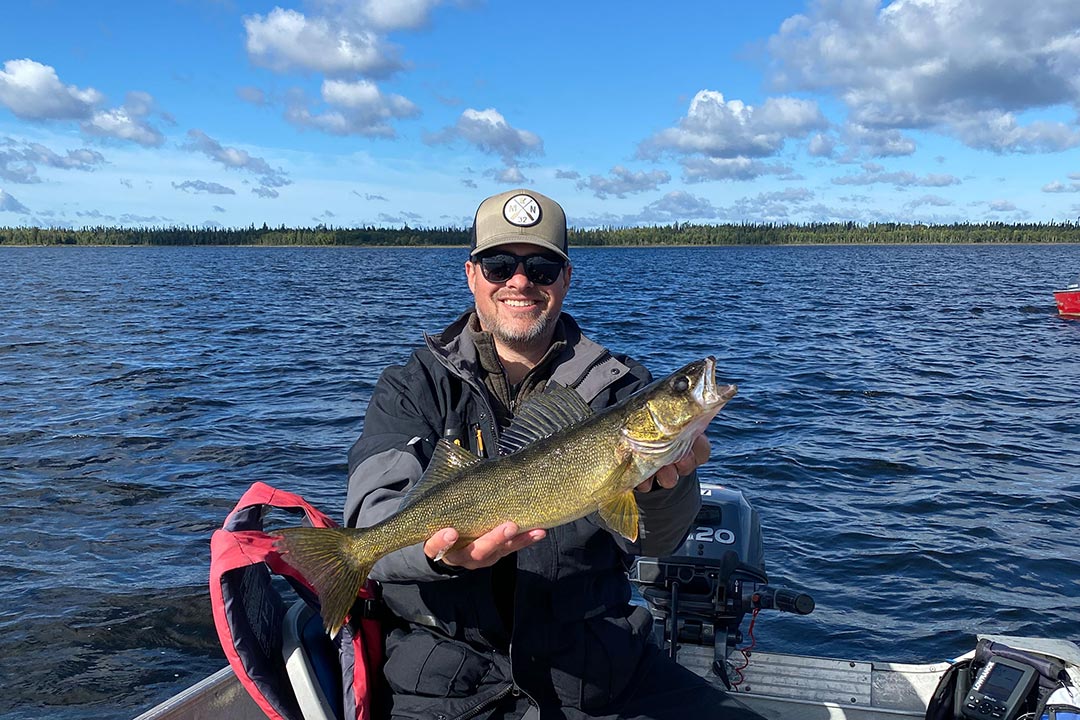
(542,416)
(446,462)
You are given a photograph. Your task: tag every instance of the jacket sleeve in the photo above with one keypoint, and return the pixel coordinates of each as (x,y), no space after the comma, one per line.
(389,457)
(666,514)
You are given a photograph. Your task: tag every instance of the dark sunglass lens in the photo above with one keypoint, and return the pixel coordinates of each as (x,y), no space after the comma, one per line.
(498,268)
(542,270)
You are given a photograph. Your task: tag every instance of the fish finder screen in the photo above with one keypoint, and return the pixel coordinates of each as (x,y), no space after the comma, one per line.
(1001,681)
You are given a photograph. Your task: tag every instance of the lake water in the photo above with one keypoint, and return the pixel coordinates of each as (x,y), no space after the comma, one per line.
(907,424)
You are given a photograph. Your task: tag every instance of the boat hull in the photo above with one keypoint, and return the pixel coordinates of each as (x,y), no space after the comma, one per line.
(219,696)
(776,686)
(1068,302)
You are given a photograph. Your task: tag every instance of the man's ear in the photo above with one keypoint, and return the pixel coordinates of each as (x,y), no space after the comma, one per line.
(470,275)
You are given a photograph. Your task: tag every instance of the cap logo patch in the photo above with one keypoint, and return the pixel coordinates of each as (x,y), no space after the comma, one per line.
(522,210)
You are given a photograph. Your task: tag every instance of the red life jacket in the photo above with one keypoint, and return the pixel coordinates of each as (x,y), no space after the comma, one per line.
(250,615)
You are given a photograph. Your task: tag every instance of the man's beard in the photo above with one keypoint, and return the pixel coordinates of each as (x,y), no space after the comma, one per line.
(516,337)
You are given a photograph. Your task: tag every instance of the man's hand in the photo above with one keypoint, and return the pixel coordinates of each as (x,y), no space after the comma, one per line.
(668,476)
(485,550)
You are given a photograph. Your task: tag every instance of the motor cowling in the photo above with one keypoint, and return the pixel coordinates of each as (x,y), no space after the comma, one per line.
(701,593)
(725,523)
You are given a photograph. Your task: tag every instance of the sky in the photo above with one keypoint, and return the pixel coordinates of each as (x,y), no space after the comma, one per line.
(344,113)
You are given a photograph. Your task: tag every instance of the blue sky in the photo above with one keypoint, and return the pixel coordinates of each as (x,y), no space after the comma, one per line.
(385,112)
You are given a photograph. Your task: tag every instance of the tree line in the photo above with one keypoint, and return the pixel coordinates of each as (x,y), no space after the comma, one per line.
(674,234)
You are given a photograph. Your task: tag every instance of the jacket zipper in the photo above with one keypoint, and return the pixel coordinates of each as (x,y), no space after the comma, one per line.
(477,709)
(597,362)
(486,414)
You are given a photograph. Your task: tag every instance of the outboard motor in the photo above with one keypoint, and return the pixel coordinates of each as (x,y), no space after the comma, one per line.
(701,594)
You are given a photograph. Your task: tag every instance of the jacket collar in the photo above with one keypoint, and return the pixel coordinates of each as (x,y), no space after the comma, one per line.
(583,364)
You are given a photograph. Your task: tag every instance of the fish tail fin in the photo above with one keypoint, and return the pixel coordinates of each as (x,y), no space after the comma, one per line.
(328,558)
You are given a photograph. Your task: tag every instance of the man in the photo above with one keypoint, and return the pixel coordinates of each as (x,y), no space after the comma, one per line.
(559,598)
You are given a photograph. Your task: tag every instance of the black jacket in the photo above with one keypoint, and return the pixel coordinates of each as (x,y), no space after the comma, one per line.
(576,639)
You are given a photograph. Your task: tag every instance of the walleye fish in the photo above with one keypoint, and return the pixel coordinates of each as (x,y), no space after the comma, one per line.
(559,461)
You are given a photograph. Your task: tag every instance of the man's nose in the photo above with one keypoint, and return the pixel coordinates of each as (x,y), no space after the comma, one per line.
(519,279)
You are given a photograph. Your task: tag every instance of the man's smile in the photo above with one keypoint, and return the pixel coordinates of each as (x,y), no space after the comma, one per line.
(519,302)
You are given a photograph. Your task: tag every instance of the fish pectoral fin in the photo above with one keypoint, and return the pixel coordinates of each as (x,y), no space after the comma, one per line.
(621,515)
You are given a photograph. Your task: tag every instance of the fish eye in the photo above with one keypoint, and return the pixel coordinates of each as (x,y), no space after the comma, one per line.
(682,384)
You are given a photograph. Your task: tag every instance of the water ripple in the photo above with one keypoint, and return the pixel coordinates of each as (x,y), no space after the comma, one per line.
(906,425)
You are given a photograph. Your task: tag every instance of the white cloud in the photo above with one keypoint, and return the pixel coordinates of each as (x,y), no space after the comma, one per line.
(771,206)
(237,159)
(80,159)
(1001,132)
(958,67)
(16,168)
(681,206)
(932,200)
(9,204)
(202,186)
(358,108)
(382,15)
(398,14)
(1059,187)
(344,40)
(125,123)
(719,128)
(19,161)
(622,182)
(873,174)
(509,176)
(821,145)
(702,169)
(286,40)
(489,132)
(402,218)
(229,157)
(251,94)
(33,91)
(876,142)
(677,206)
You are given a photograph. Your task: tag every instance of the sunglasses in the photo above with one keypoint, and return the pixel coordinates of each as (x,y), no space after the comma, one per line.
(498,267)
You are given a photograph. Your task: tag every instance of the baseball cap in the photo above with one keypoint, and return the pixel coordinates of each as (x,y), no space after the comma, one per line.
(520,216)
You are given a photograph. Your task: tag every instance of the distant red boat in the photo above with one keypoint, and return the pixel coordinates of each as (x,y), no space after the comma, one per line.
(1068,300)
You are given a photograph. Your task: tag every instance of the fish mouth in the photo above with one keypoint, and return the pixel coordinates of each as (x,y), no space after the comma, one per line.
(713,396)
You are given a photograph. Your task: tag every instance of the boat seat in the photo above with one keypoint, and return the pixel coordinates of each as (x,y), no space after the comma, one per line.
(312,664)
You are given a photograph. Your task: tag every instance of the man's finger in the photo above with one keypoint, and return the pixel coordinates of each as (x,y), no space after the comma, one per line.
(665,477)
(695,456)
(492,546)
(440,543)
(524,540)
(489,547)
